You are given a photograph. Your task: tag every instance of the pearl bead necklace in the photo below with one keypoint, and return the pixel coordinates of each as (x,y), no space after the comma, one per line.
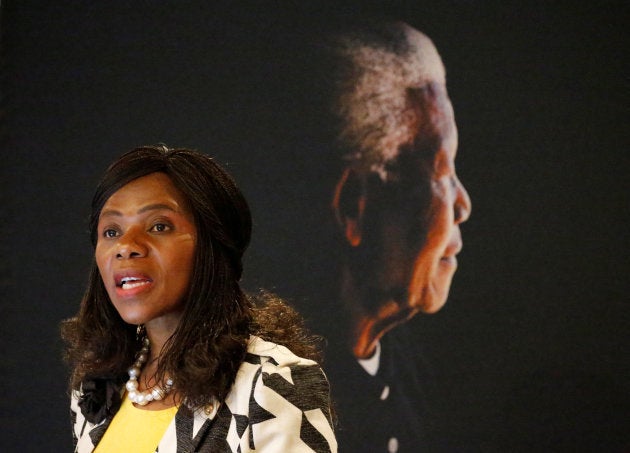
(155,393)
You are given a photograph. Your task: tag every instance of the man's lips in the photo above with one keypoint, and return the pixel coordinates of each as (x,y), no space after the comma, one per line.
(450,254)
(453,249)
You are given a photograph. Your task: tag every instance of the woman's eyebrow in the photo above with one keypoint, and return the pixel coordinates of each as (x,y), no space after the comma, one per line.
(150,207)
(157,207)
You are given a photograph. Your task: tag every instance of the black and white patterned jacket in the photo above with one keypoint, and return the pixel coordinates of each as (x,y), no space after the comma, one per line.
(279,403)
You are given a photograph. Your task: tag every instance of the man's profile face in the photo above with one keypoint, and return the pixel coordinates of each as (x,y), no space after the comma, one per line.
(411,230)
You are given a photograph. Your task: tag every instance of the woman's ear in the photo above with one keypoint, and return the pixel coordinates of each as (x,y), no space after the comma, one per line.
(348,205)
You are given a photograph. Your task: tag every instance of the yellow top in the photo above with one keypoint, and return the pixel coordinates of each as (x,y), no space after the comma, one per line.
(134,429)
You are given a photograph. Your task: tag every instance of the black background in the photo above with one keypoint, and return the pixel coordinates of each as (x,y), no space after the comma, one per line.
(532,345)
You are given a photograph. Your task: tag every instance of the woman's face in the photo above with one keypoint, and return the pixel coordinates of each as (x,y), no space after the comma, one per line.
(145,250)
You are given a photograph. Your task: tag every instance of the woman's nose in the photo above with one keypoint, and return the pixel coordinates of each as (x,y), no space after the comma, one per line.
(463,205)
(130,245)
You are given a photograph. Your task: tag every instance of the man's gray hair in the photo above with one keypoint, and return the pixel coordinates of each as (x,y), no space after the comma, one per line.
(373,102)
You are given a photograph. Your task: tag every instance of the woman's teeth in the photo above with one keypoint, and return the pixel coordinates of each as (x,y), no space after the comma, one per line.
(133,284)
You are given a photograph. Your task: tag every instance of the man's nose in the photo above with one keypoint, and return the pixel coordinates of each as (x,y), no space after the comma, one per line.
(463,205)
(131,245)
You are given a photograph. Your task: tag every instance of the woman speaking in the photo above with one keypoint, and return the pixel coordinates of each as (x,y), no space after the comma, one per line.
(168,353)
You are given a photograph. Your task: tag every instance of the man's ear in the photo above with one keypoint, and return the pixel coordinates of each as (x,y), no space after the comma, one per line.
(348,204)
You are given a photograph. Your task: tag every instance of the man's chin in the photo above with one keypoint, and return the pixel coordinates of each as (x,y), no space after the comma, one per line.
(430,303)
(432,308)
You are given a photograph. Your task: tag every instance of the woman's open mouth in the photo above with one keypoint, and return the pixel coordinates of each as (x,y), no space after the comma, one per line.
(133,282)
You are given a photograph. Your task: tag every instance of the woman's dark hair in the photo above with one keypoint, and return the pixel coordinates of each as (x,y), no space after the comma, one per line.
(209,344)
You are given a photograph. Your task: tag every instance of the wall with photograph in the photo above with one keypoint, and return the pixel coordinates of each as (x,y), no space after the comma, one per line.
(529,351)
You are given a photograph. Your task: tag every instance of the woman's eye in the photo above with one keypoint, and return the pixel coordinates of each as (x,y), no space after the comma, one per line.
(110,233)
(160,227)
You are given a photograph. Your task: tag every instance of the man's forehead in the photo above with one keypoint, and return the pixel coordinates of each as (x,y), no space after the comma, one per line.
(433,110)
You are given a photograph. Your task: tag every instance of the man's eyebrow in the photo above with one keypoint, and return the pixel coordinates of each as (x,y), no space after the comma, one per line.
(149,207)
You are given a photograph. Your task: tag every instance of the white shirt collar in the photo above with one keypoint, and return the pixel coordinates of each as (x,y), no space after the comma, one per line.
(371,365)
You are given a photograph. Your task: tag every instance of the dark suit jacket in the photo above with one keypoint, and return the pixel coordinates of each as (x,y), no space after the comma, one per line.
(381,413)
